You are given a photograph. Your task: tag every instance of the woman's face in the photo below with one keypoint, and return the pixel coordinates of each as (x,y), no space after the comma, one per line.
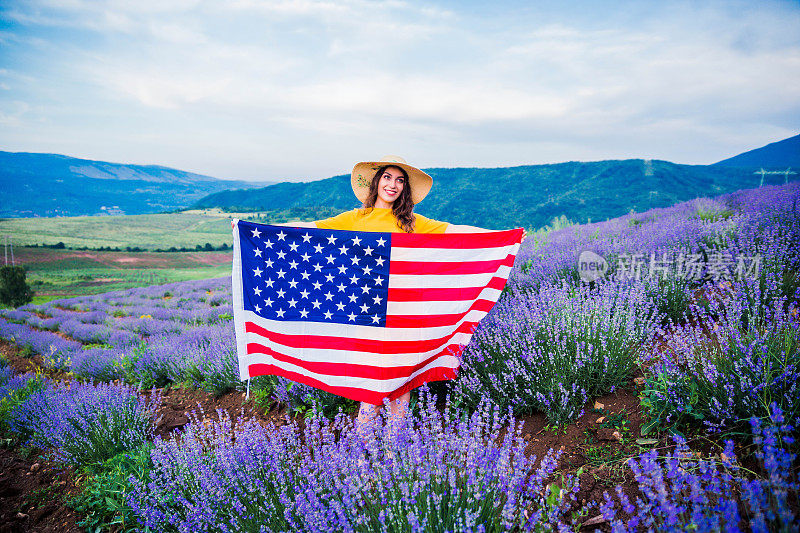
(390,185)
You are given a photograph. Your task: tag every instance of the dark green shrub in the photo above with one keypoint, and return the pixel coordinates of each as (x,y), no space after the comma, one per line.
(14,289)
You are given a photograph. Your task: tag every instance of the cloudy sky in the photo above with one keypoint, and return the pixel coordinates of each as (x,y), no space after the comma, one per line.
(301,89)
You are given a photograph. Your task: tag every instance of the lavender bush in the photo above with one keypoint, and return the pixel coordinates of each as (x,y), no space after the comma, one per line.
(147,367)
(84,423)
(5,371)
(680,492)
(14,390)
(434,472)
(88,332)
(207,357)
(54,350)
(98,363)
(554,349)
(738,358)
(672,296)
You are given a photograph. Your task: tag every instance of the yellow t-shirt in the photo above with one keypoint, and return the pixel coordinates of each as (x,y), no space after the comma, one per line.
(378,219)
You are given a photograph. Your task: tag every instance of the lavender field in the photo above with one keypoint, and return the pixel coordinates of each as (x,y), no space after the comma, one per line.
(696,316)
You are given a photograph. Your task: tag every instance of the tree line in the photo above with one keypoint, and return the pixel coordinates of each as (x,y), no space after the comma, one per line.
(207,247)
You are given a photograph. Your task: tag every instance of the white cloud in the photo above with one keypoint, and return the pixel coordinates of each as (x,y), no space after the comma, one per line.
(167,91)
(13,113)
(671,80)
(425,99)
(291,7)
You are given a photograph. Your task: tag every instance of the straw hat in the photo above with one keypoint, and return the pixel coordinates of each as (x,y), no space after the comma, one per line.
(365,170)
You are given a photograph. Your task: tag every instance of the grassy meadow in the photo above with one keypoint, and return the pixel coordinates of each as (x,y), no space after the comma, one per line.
(58,273)
(61,273)
(184,229)
(143,231)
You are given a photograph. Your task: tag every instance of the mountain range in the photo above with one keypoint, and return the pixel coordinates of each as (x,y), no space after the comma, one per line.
(777,156)
(33,184)
(530,195)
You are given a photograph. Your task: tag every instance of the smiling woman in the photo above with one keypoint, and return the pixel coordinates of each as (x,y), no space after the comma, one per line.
(388,190)
(388,197)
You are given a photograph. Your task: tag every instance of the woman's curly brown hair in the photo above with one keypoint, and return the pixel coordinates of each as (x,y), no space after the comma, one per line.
(402,208)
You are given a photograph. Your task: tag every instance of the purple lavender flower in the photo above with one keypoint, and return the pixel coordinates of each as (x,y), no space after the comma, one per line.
(430,472)
(550,350)
(83,423)
(679,491)
(741,353)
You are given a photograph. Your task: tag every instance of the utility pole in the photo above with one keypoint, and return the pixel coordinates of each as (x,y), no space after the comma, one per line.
(784,172)
(762,172)
(5,247)
(11,245)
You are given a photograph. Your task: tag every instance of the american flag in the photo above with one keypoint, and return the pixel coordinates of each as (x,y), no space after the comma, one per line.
(365,315)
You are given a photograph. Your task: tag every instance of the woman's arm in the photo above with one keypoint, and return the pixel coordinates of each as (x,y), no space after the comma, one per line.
(340,221)
(298,224)
(458,228)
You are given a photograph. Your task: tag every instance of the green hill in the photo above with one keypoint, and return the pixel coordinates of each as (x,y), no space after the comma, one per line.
(530,195)
(43,185)
(777,155)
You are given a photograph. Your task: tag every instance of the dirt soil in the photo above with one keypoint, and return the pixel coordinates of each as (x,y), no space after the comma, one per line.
(32,492)
(33,363)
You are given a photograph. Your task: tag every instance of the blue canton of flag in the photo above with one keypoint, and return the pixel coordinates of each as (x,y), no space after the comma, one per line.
(319,275)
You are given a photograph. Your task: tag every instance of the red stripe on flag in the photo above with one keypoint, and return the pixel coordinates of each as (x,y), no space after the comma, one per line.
(434,374)
(352,344)
(430,321)
(443,295)
(449,267)
(457,241)
(354,393)
(350,369)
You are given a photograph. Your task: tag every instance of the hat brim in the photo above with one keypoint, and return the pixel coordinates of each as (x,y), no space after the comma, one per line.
(362,174)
